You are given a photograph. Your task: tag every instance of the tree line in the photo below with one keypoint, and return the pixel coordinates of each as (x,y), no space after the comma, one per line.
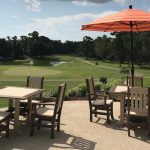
(115,48)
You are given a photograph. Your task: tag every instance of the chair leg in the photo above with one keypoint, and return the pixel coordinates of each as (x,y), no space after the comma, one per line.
(95,113)
(58,127)
(39,124)
(52,131)
(7,128)
(58,121)
(58,124)
(148,127)
(112,115)
(32,125)
(91,118)
(128,125)
(108,120)
(32,130)
(128,130)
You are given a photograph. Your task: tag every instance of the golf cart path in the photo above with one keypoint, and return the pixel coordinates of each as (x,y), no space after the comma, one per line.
(101,66)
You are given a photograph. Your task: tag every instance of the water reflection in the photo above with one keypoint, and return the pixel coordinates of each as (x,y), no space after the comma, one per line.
(56,63)
(45,63)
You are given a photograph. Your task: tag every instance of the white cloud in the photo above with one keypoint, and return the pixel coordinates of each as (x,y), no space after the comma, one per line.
(119,1)
(94,2)
(33,5)
(63,28)
(14,16)
(84,3)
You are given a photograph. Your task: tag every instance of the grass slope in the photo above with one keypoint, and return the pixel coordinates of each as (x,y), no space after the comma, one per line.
(74,72)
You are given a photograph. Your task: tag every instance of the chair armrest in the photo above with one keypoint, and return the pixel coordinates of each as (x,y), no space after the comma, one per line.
(47,103)
(43,104)
(91,96)
(101,93)
(48,99)
(100,90)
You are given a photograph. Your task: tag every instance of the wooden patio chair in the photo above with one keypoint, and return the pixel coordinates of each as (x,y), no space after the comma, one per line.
(32,82)
(51,112)
(98,101)
(4,122)
(35,82)
(138,81)
(137,107)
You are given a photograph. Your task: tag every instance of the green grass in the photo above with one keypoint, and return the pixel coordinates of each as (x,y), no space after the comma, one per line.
(74,72)
(36,71)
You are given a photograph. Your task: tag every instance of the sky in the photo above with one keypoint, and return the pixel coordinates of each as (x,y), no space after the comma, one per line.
(58,19)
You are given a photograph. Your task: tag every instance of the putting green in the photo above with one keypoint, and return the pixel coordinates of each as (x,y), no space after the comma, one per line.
(33,71)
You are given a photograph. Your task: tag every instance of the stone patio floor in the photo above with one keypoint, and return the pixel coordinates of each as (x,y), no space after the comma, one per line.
(77,132)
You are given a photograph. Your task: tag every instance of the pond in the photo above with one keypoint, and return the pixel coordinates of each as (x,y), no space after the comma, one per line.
(45,63)
(56,63)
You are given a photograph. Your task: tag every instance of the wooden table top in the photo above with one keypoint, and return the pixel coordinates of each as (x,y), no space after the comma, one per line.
(19,92)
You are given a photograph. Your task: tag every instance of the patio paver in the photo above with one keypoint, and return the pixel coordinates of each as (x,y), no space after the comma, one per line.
(77,132)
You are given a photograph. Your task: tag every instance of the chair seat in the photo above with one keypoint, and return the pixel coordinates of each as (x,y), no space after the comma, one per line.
(139,113)
(48,99)
(101,102)
(3,115)
(44,111)
(33,101)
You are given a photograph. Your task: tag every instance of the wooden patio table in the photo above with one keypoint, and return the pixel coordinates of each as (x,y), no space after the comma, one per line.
(122,91)
(17,94)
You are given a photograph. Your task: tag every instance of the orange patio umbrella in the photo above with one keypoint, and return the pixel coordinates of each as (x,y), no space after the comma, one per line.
(129,20)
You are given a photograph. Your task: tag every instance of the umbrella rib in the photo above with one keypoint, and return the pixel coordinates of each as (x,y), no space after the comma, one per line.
(109,27)
(140,22)
(125,23)
(87,26)
(136,25)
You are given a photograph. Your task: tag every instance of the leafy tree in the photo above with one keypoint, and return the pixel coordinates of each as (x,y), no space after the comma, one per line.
(102,47)
(5,51)
(119,48)
(87,47)
(116,48)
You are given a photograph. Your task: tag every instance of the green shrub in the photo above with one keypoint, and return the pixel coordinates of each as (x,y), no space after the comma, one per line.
(77,91)
(81,90)
(103,80)
(112,82)
(98,85)
(72,92)
(96,63)
(52,93)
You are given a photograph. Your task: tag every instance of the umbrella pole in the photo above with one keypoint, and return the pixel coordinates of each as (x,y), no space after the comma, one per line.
(132,52)
(132,55)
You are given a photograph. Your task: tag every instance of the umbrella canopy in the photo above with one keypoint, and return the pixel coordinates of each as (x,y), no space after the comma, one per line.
(129,20)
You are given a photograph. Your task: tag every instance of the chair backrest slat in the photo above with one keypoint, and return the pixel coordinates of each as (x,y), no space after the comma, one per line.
(138,99)
(91,91)
(90,87)
(138,81)
(59,99)
(35,82)
(61,96)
